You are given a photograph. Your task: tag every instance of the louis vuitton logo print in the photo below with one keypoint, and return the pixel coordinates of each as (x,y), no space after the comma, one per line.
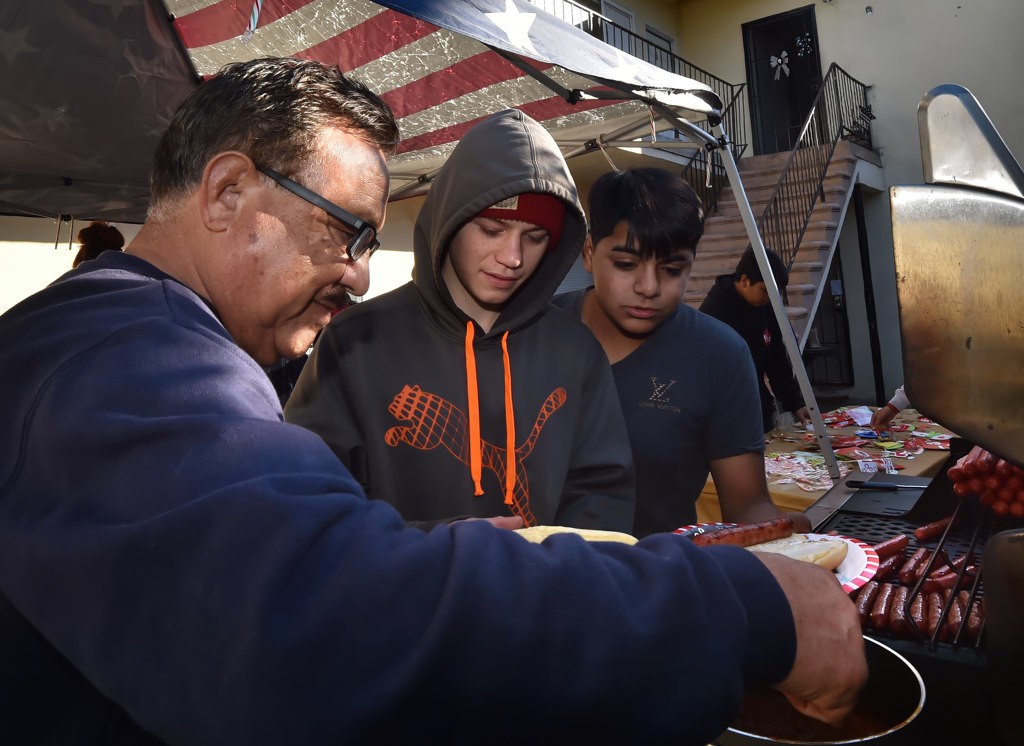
(437,422)
(660,392)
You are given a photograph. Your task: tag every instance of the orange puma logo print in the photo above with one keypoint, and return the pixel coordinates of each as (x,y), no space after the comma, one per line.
(437,422)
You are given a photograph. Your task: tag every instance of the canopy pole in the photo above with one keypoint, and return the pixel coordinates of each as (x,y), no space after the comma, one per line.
(788,335)
(750,223)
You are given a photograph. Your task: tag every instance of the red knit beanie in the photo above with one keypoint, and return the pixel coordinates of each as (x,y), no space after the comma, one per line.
(544,210)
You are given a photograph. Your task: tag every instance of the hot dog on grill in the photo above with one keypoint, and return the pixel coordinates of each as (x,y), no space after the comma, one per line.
(891,547)
(865,600)
(888,566)
(932,530)
(917,613)
(898,623)
(879,616)
(748,534)
(933,617)
(910,567)
(954,618)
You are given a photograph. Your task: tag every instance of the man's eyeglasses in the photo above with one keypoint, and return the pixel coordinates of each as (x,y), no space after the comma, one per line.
(364,236)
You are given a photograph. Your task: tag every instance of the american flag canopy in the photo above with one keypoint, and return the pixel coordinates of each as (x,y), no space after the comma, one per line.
(442,65)
(88,86)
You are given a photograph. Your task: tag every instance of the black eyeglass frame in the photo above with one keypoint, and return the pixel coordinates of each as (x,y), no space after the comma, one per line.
(365,239)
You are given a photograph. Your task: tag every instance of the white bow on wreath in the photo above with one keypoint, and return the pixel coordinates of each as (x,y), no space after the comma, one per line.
(779,64)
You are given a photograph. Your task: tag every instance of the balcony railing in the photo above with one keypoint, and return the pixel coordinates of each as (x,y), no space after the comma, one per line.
(840,111)
(733,114)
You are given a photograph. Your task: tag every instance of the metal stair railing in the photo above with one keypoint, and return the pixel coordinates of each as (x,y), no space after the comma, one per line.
(704,170)
(840,111)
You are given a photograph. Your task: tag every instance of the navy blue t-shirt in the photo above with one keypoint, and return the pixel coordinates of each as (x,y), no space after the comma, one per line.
(689,395)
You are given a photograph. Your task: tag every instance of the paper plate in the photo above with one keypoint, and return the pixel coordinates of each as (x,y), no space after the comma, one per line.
(859,566)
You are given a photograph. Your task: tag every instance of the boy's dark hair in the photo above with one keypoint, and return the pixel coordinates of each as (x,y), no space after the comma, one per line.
(663,212)
(272,109)
(747,265)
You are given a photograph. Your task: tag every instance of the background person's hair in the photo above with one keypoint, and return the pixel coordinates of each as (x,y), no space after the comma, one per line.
(271,109)
(663,212)
(94,239)
(747,265)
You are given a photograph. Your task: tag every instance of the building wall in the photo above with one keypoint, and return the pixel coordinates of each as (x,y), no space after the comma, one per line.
(902,49)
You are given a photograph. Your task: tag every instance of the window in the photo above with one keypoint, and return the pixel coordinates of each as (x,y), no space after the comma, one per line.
(618,35)
(656,53)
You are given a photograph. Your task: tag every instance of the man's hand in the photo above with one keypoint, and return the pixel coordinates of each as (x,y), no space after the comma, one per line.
(830,667)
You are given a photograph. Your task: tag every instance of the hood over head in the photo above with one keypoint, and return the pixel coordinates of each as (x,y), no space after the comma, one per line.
(506,154)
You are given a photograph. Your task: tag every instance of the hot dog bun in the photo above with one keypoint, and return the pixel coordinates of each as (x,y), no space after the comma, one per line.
(823,551)
(538,534)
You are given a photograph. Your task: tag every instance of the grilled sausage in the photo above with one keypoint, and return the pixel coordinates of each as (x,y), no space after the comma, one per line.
(909,568)
(932,530)
(955,617)
(888,566)
(917,613)
(933,612)
(891,547)
(939,582)
(748,534)
(898,624)
(974,617)
(922,568)
(865,599)
(879,616)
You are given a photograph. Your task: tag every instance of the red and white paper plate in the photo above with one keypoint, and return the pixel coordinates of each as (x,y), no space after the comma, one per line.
(859,566)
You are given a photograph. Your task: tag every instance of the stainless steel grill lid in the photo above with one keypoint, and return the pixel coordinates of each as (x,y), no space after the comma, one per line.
(959,251)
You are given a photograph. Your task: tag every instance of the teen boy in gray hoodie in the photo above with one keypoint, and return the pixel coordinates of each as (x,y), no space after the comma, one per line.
(464,392)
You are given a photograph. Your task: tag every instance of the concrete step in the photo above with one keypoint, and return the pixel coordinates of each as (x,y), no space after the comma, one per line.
(734,223)
(801,271)
(760,189)
(725,237)
(835,194)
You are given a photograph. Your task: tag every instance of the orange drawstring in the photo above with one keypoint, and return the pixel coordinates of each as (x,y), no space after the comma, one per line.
(510,426)
(473,395)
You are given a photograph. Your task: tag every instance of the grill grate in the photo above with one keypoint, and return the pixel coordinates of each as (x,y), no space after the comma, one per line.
(971,528)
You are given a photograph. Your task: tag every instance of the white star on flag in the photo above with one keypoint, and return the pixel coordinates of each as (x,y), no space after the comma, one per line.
(516,25)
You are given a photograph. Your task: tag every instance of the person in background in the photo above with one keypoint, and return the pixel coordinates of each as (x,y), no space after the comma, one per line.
(685,380)
(179,565)
(96,238)
(741,301)
(464,393)
(882,416)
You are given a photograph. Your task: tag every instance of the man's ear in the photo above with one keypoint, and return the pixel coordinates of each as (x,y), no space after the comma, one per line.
(588,254)
(225,179)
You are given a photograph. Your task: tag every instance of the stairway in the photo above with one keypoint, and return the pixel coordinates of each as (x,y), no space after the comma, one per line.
(725,238)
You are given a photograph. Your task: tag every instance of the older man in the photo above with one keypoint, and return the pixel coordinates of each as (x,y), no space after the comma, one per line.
(178,564)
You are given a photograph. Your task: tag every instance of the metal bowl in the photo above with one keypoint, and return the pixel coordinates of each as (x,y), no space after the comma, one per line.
(892,698)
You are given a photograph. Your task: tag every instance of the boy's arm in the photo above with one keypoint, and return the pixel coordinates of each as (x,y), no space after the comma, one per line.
(743,491)
(734,439)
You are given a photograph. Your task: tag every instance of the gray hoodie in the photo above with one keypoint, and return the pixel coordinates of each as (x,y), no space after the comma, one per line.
(387,385)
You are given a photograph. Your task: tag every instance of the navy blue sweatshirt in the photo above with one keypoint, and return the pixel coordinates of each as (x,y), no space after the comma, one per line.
(203,572)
